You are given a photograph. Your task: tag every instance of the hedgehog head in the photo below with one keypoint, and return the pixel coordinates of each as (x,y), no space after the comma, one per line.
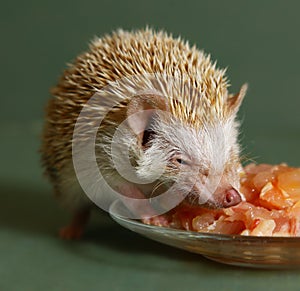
(194,150)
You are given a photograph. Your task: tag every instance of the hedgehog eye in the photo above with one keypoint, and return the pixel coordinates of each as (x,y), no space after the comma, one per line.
(148,135)
(181,161)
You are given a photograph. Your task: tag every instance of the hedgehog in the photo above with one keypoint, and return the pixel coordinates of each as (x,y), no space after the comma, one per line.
(179,125)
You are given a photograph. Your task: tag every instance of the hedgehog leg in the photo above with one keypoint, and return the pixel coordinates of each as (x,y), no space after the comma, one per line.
(75,228)
(72,198)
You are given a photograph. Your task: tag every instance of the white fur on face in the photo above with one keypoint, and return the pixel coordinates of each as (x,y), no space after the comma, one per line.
(212,149)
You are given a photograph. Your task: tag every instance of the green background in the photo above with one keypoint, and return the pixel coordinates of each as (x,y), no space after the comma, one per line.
(259,43)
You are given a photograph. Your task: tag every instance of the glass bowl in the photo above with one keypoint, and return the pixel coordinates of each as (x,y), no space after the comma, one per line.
(250,251)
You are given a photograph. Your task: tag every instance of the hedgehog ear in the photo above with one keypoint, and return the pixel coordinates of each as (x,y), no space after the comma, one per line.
(234,102)
(140,112)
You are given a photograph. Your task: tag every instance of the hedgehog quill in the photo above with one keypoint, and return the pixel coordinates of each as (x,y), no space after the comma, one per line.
(170,129)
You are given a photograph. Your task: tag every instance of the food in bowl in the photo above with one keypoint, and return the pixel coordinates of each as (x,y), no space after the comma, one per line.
(271,206)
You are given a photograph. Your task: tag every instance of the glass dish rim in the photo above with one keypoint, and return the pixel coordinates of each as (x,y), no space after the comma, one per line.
(204,235)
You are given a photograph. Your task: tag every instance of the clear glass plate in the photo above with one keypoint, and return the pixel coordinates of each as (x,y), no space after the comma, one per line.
(250,251)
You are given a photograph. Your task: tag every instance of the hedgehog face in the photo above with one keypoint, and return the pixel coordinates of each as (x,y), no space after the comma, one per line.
(202,161)
(202,164)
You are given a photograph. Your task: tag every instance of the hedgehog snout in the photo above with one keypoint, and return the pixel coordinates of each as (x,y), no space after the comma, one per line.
(225,196)
(231,197)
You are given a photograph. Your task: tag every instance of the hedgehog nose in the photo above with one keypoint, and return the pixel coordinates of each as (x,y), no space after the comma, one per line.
(231,198)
